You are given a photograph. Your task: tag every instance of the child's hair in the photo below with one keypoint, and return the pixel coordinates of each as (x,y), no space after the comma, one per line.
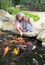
(28,19)
(22,19)
(17,16)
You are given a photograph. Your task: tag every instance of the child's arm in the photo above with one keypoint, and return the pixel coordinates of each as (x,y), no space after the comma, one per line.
(30,22)
(17,27)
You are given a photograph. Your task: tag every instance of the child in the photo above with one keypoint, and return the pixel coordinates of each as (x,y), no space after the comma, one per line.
(18,23)
(28,25)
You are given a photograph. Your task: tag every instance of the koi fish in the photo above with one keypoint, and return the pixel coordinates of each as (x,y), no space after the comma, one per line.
(12,41)
(15,51)
(6,51)
(18,39)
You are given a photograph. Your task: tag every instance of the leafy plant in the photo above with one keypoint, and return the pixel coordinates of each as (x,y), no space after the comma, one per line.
(16,2)
(13,10)
(4,5)
(35,17)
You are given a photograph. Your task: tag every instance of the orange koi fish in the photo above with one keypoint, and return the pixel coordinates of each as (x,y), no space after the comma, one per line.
(6,51)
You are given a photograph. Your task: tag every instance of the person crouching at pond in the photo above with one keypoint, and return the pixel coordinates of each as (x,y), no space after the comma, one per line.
(27,24)
(19,22)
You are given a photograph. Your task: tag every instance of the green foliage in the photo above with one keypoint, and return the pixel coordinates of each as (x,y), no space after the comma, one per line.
(16,10)
(0,4)
(22,2)
(10,3)
(16,2)
(13,10)
(4,5)
(35,17)
(35,5)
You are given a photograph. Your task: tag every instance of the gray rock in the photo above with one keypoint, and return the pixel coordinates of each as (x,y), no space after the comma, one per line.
(35,61)
(5,19)
(43,44)
(41,35)
(1,24)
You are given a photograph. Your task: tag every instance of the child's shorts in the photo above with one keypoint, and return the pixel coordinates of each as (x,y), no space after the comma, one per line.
(28,27)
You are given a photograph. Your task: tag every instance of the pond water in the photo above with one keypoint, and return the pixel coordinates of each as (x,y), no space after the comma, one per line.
(29,57)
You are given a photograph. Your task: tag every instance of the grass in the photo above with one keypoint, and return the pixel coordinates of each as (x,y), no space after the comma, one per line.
(16,10)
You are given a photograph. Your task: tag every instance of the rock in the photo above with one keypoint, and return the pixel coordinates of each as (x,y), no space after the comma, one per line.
(18,6)
(1,24)
(6,21)
(41,35)
(43,26)
(8,26)
(36,27)
(33,47)
(43,44)
(35,61)
(3,13)
(5,16)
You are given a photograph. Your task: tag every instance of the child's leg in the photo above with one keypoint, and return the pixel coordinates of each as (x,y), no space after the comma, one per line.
(29,27)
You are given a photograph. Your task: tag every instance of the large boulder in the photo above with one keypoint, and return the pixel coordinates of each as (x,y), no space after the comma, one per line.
(6,21)
(36,27)
(41,35)
(43,25)
(5,16)
(4,13)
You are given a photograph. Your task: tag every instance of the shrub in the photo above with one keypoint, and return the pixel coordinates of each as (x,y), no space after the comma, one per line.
(13,10)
